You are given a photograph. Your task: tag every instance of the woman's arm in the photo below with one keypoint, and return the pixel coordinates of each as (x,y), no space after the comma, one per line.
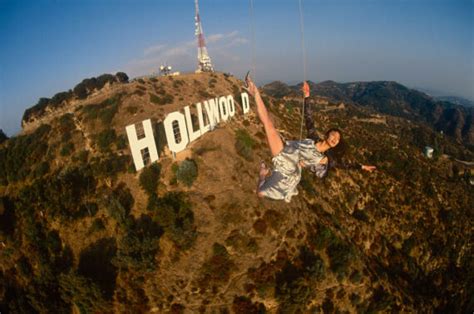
(351,165)
(308,114)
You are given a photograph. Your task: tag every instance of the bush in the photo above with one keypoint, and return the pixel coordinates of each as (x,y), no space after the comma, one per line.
(67,149)
(217,268)
(119,203)
(340,257)
(3,136)
(105,138)
(41,169)
(155,99)
(243,305)
(22,153)
(149,178)
(173,212)
(105,111)
(110,165)
(137,249)
(132,109)
(81,292)
(122,77)
(97,225)
(187,172)
(244,144)
(163,100)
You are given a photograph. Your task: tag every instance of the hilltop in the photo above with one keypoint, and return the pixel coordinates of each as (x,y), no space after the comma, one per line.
(82,231)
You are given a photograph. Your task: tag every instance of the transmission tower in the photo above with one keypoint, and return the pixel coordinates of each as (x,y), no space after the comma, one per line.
(204,61)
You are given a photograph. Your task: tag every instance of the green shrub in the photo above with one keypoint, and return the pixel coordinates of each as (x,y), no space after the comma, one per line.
(204,94)
(3,136)
(138,247)
(121,142)
(244,144)
(22,153)
(97,225)
(41,169)
(217,269)
(81,156)
(67,149)
(173,212)
(163,100)
(132,109)
(105,111)
(244,305)
(119,203)
(110,165)
(105,138)
(82,292)
(155,99)
(187,172)
(121,77)
(150,177)
(340,257)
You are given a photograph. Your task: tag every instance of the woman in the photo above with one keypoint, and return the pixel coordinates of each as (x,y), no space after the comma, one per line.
(289,158)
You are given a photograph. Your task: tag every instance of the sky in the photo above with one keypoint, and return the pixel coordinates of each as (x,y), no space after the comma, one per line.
(49,46)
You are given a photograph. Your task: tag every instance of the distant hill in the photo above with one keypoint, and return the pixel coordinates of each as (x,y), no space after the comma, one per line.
(395,99)
(82,232)
(456,100)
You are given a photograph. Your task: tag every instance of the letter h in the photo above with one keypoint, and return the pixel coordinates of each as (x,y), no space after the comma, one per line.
(142,144)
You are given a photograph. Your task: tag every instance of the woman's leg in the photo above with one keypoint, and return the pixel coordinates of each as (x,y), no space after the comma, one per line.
(273,137)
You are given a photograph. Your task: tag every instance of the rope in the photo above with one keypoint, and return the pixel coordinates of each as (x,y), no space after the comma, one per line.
(252,32)
(303,49)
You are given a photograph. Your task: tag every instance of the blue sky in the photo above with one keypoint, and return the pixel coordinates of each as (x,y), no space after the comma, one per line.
(50,46)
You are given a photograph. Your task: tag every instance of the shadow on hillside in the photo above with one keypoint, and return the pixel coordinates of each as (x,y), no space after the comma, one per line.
(95,263)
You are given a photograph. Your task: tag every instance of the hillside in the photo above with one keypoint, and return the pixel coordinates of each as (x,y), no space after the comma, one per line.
(394,99)
(82,231)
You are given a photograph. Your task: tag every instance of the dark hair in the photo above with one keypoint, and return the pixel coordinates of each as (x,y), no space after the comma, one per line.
(326,135)
(335,154)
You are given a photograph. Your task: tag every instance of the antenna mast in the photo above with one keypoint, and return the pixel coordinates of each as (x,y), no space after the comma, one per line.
(204,61)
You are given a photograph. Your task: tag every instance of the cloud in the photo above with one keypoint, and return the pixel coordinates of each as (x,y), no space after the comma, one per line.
(153,50)
(182,56)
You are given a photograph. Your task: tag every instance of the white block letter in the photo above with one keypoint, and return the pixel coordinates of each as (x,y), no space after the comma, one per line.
(175,129)
(245,102)
(231,105)
(212,109)
(144,146)
(193,135)
(204,128)
(223,108)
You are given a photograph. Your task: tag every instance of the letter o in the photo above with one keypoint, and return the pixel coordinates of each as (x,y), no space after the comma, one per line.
(170,132)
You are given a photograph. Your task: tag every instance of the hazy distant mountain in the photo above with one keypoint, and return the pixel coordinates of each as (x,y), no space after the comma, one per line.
(395,99)
(456,100)
(82,232)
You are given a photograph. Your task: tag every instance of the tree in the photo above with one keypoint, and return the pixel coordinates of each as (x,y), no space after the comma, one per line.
(122,77)
(3,136)
(149,178)
(187,172)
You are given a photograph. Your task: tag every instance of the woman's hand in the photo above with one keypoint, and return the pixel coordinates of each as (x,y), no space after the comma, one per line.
(305,89)
(368,168)
(251,88)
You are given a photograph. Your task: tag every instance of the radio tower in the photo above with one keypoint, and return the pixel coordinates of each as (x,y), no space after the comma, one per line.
(204,61)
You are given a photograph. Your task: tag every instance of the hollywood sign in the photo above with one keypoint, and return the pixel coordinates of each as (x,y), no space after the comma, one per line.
(179,128)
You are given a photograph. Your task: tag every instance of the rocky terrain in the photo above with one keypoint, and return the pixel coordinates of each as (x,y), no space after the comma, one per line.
(81,231)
